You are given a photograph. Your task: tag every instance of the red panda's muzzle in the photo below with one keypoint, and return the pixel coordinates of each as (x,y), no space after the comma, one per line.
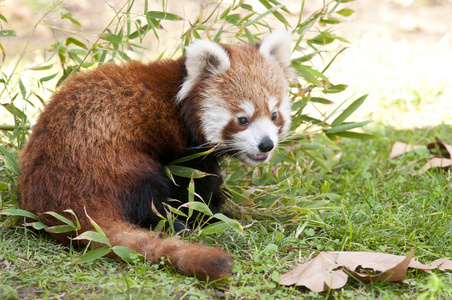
(258,157)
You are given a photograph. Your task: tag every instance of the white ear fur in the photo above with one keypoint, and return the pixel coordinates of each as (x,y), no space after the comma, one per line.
(277,46)
(202,57)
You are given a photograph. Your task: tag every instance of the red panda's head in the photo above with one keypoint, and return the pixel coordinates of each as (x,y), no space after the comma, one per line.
(237,97)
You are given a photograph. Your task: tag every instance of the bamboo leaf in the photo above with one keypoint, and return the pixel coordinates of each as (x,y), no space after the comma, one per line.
(60,229)
(249,35)
(277,14)
(198,206)
(113,38)
(23,90)
(312,120)
(348,111)
(7,33)
(18,212)
(177,211)
(95,225)
(233,224)
(345,127)
(75,216)
(191,195)
(92,255)
(160,15)
(307,74)
(10,160)
(306,57)
(62,219)
(271,10)
(225,13)
(191,157)
(41,68)
(169,174)
(127,254)
(330,21)
(335,89)
(71,40)
(47,78)
(37,225)
(94,237)
(321,100)
(345,12)
(70,18)
(245,6)
(216,39)
(356,135)
(15,111)
(186,172)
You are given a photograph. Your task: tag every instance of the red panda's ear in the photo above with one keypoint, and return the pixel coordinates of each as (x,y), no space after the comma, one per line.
(277,46)
(203,58)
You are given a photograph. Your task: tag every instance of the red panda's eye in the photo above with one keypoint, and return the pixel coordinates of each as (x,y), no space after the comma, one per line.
(274,116)
(242,121)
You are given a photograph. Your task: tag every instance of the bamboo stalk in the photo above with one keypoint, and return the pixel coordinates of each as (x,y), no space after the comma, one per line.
(13,127)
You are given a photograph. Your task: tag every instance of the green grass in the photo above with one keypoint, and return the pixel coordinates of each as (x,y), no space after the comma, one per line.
(381,206)
(367,202)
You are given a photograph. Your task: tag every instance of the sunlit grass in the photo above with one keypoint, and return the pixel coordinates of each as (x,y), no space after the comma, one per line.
(367,202)
(408,80)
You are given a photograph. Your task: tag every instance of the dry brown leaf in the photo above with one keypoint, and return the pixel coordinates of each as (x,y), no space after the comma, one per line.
(445,156)
(326,270)
(381,263)
(446,150)
(317,274)
(436,163)
(400,148)
(442,263)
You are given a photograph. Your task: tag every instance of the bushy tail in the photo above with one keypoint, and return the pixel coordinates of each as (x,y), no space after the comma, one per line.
(191,259)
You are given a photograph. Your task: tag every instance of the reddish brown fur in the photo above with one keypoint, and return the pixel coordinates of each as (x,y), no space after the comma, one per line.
(97,137)
(102,141)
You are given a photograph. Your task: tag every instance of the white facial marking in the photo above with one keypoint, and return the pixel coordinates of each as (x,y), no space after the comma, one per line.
(272,103)
(215,117)
(248,140)
(285,109)
(248,108)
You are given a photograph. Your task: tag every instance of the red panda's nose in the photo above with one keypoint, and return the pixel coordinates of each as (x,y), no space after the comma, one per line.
(266,145)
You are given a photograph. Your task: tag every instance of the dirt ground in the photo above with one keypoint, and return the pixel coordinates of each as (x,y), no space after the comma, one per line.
(413,19)
(400,51)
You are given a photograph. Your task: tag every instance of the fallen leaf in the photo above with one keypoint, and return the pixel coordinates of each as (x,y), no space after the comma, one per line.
(446,150)
(436,163)
(442,159)
(400,148)
(317,274)
(381,262)
(442,263)
(327,270)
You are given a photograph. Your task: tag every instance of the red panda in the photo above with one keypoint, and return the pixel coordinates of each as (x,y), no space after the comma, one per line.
(101,142)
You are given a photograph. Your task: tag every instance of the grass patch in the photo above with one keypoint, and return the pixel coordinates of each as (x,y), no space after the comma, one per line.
(381,207)
(329,197)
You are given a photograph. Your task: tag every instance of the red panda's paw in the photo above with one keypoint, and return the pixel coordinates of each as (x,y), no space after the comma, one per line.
(206,262)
